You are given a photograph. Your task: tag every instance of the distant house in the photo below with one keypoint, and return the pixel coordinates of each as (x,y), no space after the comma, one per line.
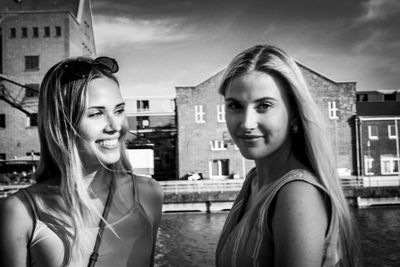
(204,145)
(34,35)
(378,122)
(152,123)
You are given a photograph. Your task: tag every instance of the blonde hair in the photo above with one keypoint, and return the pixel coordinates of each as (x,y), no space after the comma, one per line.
(61,106)
(310,143)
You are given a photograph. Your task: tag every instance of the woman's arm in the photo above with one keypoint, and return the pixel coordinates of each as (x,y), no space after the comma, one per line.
(299,225)
(15,229)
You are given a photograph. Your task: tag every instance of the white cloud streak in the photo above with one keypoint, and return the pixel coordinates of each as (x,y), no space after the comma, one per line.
(112,32)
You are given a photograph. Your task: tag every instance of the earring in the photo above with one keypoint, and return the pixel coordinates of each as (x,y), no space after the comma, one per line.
(294,128)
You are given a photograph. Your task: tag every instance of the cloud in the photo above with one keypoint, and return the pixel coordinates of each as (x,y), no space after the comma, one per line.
(379,10)
(111,32)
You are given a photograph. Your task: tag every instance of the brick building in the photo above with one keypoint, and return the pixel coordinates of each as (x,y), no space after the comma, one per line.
(203,140)
(377,127)
(34,35)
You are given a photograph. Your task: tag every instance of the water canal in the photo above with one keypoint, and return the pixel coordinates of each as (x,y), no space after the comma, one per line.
(190,239)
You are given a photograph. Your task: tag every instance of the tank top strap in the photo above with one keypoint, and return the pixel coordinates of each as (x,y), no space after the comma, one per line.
(299,175)
(135,189)
(31,202)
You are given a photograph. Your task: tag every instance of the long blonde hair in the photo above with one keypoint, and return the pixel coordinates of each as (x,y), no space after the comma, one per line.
(310,144)
(61,106)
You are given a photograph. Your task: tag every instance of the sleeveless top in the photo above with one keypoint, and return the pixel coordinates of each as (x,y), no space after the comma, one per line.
(126,242)
(247,241)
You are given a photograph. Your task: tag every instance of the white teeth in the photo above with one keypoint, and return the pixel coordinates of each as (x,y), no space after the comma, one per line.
(108,143)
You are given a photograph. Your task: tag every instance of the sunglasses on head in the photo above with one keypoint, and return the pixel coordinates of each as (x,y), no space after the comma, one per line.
(81,68)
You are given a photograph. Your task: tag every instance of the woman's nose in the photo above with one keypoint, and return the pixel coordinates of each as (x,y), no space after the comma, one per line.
(114,123)
(249,120)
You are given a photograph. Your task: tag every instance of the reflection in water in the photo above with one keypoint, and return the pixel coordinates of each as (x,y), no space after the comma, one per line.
(190,239)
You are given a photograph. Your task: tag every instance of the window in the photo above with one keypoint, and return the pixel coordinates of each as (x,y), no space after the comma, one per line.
(373,132)
(24,32)
(32,120)
(218,145)
(46,31)
(32,90)
(35,32)
(389,164)
(13,33)
(219,168)
(2,120)
(362,97)
(143,122)
(221,113)
(142,105)
(392,131)
(368,165)
(333,110)
(58,31)
(3,156)
(389,97)
(199,114)
(31,63)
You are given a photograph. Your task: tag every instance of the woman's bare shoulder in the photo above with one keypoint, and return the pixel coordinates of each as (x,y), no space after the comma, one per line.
(148,185)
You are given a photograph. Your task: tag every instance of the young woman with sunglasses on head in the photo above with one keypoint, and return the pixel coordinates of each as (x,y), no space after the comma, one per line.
(86,204)
(291,210)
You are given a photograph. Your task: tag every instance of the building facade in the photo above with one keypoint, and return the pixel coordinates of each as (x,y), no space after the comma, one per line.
(204,145)
(34,35)
(152,124)
(377,127)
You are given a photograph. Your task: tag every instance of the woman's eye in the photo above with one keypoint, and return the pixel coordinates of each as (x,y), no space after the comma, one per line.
(120,111)
(95,114)
(263,107)
(233,106)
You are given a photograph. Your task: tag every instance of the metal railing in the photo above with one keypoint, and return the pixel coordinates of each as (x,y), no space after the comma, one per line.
(232,185)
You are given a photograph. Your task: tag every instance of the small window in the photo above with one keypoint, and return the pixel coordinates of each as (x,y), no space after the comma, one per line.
(3,156)
(31,63)
(219,168)
(368,164)
(218,145)
(32,90)
(46,31)
(389,164)
(35,32)
(13,33)
(373,132)
(221,113)
(32,120)
(24,32)
(58,31)
(389,97)
(199,114)
(333,110)
(142,105)
(362,97)
(392,131)
(143,122)
(2,120)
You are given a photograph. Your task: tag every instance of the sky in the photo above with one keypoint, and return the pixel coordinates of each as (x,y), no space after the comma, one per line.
(162,44)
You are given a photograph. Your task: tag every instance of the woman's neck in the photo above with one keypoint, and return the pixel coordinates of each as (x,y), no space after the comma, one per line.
(98,180)
(271,168)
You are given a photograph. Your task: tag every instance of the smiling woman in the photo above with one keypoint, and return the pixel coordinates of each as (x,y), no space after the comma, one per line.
(87,206)
(291,210)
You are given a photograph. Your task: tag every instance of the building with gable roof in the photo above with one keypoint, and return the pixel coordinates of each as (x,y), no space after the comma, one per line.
(34,35)
(204,145)
(378,133)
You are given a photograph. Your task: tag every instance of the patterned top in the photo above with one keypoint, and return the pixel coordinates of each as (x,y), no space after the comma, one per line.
(126,242)
(247,241)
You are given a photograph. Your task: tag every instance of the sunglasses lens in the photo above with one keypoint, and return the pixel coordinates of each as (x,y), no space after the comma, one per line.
(110,63)
(79,68)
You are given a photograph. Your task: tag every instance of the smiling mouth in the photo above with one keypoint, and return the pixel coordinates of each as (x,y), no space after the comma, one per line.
(250,139)
(109,143)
